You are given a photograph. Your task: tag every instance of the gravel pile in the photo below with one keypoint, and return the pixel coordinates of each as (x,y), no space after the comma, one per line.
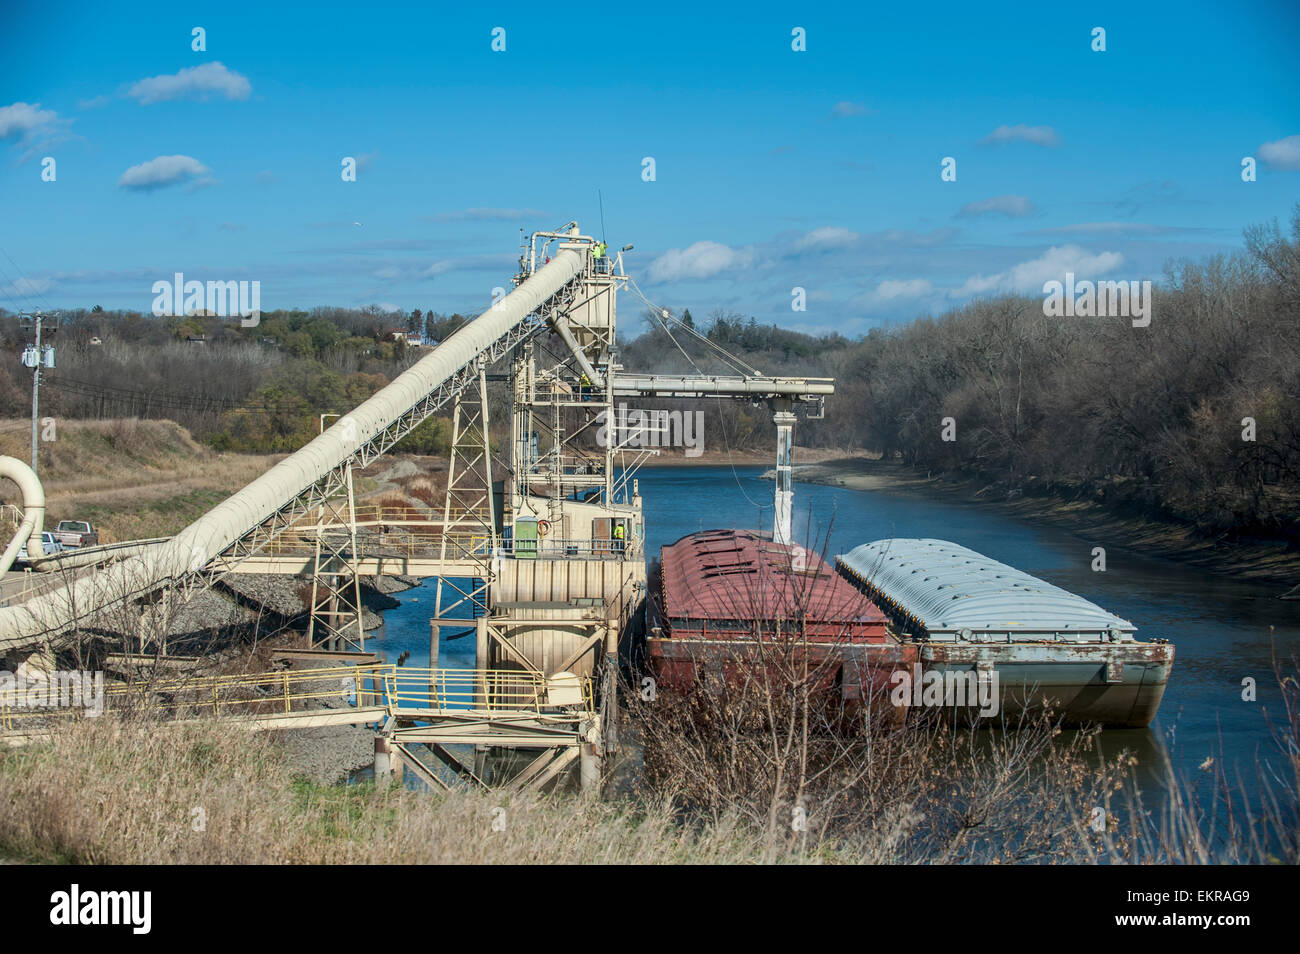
(278,594)
(205,611)
(392,584)
(329,754)
(281,596)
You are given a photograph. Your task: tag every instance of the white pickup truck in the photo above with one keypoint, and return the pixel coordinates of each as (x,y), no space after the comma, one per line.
(49,545)
(76,533)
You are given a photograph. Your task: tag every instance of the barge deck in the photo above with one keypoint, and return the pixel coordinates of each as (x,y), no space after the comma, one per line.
(971,617)
(728,599)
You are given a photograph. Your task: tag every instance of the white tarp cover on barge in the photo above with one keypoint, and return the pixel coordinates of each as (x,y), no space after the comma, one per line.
(952,593)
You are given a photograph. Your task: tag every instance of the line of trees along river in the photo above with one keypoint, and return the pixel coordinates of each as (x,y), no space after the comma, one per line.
(1194,417)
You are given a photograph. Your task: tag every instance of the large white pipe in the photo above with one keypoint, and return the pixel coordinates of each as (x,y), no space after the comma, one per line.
(29,531)
(239,514)
(562,329)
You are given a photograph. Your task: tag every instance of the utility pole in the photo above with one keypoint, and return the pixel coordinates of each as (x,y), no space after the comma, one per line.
(36,356)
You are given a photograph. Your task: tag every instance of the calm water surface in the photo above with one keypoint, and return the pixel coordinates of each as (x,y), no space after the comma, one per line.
(1221,627)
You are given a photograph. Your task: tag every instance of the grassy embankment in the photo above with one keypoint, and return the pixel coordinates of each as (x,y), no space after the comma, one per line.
(140,479)
(132,479)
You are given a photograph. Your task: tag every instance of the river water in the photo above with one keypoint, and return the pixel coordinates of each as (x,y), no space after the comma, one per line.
(1223,629)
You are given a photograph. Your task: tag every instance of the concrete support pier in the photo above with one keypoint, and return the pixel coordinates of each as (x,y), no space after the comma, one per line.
(783,500)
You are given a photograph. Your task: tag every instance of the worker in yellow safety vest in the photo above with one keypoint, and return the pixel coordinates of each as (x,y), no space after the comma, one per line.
(618,537)
(584,386)
(598,253)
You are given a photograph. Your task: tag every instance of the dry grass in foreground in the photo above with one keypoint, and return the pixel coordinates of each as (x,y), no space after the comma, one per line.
(128,791)
(761,739)
(105,791)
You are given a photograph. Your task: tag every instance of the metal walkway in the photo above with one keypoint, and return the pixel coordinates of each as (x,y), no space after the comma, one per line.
(409,707)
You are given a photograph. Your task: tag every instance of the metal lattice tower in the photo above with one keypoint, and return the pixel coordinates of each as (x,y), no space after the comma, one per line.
(335,619)
(469,517)
(469,524)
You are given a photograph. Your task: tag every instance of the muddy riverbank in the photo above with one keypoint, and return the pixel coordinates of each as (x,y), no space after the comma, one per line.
(1266,561)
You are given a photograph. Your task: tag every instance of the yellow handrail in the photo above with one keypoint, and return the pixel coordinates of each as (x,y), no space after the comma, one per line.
(390,687)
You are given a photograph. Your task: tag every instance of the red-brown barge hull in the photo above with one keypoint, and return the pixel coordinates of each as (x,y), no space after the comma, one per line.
(727,598)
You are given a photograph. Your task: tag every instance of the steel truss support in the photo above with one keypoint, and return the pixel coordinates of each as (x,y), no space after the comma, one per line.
(335,621)
(469,525)
(155,621)
(555,404)
(468,513)
(502,652)
(554,747)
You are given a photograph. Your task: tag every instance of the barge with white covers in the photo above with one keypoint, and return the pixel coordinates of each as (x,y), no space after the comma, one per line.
(1040,645)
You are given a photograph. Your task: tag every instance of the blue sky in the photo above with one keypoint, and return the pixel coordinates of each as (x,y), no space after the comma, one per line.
(774,168)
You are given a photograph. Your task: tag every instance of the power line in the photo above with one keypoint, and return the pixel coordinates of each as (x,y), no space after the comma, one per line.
(29,282)
(163,399)
(663,315)
(12,286)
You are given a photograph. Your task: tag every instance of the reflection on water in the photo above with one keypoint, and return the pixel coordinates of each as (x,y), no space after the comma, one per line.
(406,628)
(1221,626)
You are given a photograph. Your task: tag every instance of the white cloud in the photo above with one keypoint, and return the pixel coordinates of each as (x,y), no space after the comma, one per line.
(1282,154)
(891,290)
(1038,135)
(23,120)
(1051,265)
(829,236)
(161,172)
(701,260)
(200,82)
(1014,206)
(31,128)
